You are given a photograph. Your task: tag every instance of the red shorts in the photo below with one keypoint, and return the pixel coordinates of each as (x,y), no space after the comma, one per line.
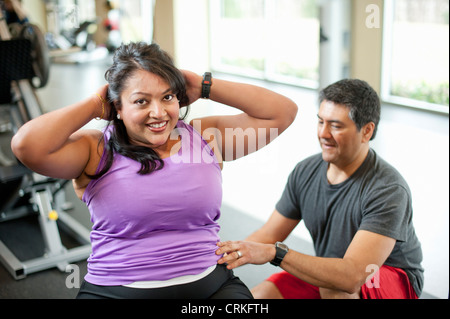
(387,283)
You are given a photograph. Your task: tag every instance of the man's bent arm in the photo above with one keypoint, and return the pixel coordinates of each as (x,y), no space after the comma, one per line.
(346,274)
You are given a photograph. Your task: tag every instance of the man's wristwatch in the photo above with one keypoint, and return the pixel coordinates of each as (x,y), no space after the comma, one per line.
(281,251)
(206,85)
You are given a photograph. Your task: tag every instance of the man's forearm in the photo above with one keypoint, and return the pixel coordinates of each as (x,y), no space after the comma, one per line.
(330,273)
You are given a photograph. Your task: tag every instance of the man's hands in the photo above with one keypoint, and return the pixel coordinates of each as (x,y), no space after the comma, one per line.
(239,253)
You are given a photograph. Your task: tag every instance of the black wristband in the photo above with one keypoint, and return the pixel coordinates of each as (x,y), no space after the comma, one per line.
(281,251)
(206,85)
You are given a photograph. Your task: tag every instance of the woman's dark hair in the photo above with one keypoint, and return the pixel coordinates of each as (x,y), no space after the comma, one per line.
(361,99)
(128,59)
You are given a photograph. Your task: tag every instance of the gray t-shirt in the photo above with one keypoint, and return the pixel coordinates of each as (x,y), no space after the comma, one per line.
(375,198)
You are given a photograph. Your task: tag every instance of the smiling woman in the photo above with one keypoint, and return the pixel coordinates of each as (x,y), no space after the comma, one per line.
(141,77)
(150,112)
(146,244)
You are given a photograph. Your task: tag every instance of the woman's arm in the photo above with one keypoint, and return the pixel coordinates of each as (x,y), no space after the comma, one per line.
(51,144)
(266,115)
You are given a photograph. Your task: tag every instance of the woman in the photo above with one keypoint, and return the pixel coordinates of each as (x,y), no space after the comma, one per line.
(152,183)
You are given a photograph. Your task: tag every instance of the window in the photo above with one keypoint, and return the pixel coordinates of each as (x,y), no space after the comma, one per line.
(136,20)
(416,53)
(275,40)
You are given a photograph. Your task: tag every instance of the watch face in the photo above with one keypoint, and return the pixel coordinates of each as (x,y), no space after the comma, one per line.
(282,246)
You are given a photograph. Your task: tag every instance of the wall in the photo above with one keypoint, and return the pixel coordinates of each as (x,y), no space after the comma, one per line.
(36,12)
(366,44)
(164,25)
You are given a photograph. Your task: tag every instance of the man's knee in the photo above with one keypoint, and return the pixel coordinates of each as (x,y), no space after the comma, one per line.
(266,290)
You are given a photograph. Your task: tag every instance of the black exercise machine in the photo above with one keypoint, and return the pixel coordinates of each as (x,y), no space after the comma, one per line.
(23,59)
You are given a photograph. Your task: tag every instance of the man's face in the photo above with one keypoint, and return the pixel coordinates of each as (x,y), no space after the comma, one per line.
(341,141)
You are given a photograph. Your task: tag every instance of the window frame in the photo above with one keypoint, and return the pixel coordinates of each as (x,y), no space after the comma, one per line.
(386,96)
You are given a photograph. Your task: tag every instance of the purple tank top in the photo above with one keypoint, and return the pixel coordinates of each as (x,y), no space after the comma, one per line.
(157,226)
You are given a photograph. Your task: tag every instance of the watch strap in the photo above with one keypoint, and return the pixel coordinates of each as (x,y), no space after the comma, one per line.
(206,85)
(281,251)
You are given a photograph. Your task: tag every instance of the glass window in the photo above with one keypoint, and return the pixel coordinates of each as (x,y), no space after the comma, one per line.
(270,39)
(416,57)
(136,20)
(295,33)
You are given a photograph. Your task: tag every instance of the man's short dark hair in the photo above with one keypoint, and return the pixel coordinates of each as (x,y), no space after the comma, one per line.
(361,99)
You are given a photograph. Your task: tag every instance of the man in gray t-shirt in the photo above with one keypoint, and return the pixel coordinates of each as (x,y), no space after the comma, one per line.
(356,207)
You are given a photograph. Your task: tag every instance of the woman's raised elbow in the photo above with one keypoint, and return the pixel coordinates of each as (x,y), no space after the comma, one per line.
(18,145)
(288,114)
(292,111)
(24,148)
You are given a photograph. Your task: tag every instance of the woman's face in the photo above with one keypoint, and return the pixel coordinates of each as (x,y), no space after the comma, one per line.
(150,111)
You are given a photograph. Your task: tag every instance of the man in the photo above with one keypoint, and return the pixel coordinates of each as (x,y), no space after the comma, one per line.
(356,207)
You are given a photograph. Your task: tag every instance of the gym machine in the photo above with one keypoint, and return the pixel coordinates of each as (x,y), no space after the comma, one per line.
(24,67)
